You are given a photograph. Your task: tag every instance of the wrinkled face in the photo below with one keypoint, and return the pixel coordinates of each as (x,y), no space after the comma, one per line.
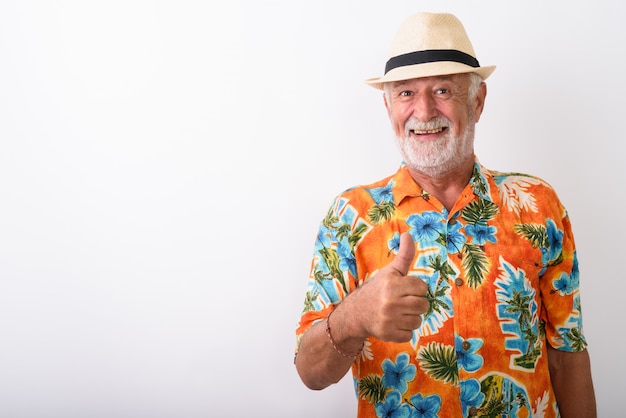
(433,120)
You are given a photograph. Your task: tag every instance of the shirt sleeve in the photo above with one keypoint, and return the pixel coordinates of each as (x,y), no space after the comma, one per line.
(560,289)
(332,268)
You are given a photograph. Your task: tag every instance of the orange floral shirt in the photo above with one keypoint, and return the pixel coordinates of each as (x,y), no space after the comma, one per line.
(503,283)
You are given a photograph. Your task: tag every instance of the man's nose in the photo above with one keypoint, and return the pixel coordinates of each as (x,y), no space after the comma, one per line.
(424,107)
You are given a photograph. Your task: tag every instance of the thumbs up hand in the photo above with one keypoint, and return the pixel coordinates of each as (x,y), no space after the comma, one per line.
(390,305)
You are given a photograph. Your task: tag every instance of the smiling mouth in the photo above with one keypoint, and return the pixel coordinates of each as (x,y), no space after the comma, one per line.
(428,131)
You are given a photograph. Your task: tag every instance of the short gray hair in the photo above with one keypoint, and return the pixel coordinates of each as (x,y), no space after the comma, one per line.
(475,81)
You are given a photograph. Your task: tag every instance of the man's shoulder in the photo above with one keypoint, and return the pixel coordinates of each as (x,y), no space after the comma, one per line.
(366,188)
(508,178)
(522,192)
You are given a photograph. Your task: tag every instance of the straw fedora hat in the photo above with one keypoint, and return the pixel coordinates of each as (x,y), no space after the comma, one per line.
(430,44)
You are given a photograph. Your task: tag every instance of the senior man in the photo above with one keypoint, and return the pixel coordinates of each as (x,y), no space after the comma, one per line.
(449,289)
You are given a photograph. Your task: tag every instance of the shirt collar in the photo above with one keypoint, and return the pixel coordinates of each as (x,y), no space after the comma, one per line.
(403,185)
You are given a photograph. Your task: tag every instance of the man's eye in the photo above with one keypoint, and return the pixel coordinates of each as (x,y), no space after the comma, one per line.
(442,91)
(406,93)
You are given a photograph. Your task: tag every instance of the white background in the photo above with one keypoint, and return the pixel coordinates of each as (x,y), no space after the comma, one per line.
(164,166)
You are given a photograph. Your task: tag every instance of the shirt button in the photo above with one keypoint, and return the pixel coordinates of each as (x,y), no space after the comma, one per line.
(465,345)
(458,281)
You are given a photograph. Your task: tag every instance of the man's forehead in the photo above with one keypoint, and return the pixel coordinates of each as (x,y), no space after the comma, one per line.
(455,78)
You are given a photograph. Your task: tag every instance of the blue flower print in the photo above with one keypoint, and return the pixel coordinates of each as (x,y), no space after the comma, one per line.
(394,243)
(396,375)
(563,285)
(555,241)
(466,356)
(481,233)
(575,276)
(471,396)
(330,292)
(347,260)
(567,284)
(425,407)
(455,240)
(426,227)
(323,241)
(392,407)
(382,194)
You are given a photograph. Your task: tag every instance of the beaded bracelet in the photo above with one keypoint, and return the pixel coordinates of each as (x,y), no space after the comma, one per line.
(334,344)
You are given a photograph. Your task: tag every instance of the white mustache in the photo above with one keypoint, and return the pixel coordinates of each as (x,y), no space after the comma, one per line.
(433,125)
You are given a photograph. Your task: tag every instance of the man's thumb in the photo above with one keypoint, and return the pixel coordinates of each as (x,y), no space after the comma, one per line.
(406,253)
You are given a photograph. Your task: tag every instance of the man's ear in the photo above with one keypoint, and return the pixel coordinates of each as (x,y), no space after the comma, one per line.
(479,101)
(387,106)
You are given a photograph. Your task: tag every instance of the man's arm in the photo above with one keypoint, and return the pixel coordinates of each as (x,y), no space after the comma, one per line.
(388,307)
(318,363)
(571,380)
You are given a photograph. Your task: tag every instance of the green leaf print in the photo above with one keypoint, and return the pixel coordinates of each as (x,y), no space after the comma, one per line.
(441,267)
(357,235)
(330,219)
(371,388)
(536,234)
(436,301)
(331,258)
(479,212)
(309,299)
(578,341)
(343,230)
(477,181)
(381,212)
(439,362)
(475,263)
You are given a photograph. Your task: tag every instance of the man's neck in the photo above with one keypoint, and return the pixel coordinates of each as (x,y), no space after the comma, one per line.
(448,187)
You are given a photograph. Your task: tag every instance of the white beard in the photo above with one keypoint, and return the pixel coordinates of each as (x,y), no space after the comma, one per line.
(435,158)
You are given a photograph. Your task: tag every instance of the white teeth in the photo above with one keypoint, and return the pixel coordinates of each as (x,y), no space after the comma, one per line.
(430,131)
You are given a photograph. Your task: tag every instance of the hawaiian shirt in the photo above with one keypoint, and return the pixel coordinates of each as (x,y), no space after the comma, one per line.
(503,281)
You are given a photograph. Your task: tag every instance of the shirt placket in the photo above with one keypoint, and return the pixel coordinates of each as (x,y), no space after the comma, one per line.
(464,312)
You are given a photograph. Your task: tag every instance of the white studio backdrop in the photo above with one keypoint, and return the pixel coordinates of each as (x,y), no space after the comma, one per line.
(164,166)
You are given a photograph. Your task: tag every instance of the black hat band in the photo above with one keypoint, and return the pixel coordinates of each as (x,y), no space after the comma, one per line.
(431,55)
